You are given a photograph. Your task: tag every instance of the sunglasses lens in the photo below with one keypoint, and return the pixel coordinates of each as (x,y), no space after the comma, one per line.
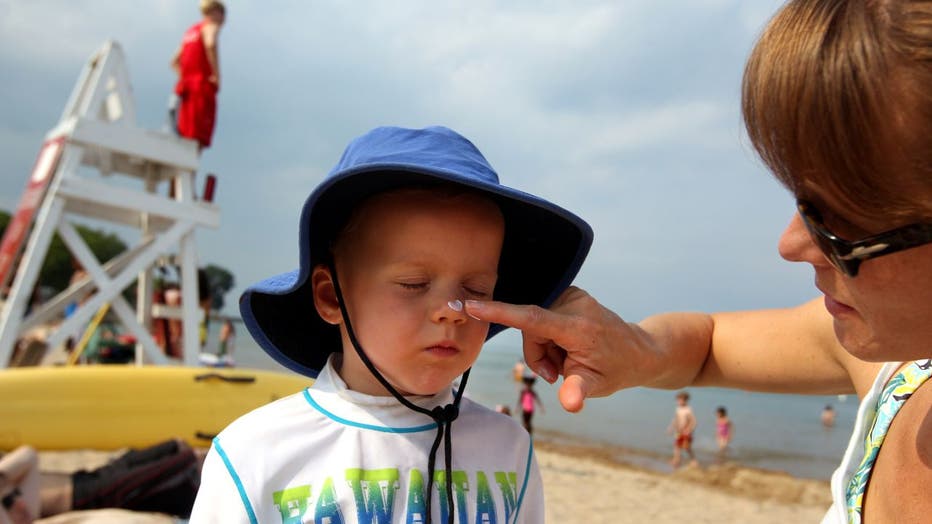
(817,231)
(823,239)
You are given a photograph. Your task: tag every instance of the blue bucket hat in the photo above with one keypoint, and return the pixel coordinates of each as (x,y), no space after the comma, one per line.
(543,249)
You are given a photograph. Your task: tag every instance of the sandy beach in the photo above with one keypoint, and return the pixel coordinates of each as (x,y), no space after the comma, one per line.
(585,484)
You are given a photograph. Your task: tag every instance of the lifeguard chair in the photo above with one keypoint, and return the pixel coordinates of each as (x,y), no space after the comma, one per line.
(98,130)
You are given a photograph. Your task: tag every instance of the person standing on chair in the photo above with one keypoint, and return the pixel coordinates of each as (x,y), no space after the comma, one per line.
(198,67)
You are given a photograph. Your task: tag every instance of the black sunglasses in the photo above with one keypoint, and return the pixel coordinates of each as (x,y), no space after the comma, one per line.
(847,255)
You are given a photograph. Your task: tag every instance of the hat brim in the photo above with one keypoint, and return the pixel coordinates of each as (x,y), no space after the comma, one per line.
(543,250)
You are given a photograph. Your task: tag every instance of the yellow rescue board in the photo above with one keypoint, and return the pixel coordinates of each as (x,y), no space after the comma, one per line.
(115,406)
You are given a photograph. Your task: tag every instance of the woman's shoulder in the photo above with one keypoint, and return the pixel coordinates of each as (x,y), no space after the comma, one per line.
(915,419)
(904,465)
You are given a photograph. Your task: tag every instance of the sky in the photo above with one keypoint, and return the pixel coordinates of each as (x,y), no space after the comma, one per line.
(626,112)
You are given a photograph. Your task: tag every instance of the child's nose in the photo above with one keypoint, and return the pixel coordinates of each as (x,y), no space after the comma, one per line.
(450,311)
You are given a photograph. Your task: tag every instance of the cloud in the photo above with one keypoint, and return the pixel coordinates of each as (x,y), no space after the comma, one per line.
(624,112)
(60,34)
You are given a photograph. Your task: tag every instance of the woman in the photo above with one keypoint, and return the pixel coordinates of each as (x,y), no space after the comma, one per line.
(837,101)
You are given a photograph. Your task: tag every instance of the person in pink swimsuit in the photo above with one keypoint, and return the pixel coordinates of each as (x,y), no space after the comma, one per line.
(527,401)
(723,430)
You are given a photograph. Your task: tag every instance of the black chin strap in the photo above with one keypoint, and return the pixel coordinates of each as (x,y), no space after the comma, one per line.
(442,415)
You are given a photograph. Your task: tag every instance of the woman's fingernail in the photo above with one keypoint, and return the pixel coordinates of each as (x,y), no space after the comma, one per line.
(474,305)
(547,373)
(455,305)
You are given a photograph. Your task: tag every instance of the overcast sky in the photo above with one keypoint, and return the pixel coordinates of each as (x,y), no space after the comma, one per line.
(625,112)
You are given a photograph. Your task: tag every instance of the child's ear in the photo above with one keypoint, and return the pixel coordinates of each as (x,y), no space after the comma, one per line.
(325,297)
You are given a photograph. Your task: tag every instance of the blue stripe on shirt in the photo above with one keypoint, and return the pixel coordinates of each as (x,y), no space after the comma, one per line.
(527,474)
(237,481)
(385,429)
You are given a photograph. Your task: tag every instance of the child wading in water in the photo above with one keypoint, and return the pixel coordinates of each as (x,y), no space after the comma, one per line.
(527,400)
(724,430)
(407,227)
(682,426)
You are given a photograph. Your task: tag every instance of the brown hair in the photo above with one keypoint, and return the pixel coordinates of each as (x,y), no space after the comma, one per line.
(209,5)
(837,94)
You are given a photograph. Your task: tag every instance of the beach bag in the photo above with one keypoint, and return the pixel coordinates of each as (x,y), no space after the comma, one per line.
(163,478)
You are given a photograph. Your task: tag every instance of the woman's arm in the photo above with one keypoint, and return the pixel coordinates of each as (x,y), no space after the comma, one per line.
(598,353)
(791,350)
(209,32)
(176,67)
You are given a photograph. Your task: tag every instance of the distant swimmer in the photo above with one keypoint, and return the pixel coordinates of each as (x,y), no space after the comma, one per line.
(522,371)
(517,372)
(724,430)
(527,401)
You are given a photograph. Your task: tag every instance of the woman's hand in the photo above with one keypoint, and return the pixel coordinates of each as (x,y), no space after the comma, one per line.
(596,351)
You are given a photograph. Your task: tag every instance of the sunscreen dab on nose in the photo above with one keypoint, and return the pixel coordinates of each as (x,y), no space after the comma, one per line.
(455,305)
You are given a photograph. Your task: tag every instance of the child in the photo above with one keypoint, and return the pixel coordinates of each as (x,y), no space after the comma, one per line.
(408,225)
(526,402)
(517,372)
(723,429)
(682,426)
(828,416)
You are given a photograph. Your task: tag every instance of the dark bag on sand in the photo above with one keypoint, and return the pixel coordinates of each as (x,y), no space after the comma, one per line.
(163,478)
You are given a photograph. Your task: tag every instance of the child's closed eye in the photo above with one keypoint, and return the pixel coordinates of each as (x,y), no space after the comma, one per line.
(470,290)
(475,292)
(413,286)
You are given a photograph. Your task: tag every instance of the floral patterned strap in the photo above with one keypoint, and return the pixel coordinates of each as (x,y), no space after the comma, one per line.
(895,393)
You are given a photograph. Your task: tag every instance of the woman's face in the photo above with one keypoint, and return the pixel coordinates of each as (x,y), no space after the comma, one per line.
(885,312)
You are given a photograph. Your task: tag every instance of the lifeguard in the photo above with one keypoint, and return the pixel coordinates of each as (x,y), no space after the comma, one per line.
(198,69)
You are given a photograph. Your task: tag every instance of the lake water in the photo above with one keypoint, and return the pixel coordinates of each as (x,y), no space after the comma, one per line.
(777,432)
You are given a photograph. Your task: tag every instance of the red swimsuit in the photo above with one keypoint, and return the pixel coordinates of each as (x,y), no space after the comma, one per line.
(198,94)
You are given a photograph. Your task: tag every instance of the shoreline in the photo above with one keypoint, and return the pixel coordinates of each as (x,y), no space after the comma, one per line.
(597,483)
(646,460)
(728,476)
(748,482)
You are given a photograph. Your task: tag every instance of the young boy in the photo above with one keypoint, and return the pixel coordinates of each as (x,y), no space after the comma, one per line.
(682,426)
(407,226)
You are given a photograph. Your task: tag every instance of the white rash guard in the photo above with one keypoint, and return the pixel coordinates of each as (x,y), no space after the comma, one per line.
(335,456)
